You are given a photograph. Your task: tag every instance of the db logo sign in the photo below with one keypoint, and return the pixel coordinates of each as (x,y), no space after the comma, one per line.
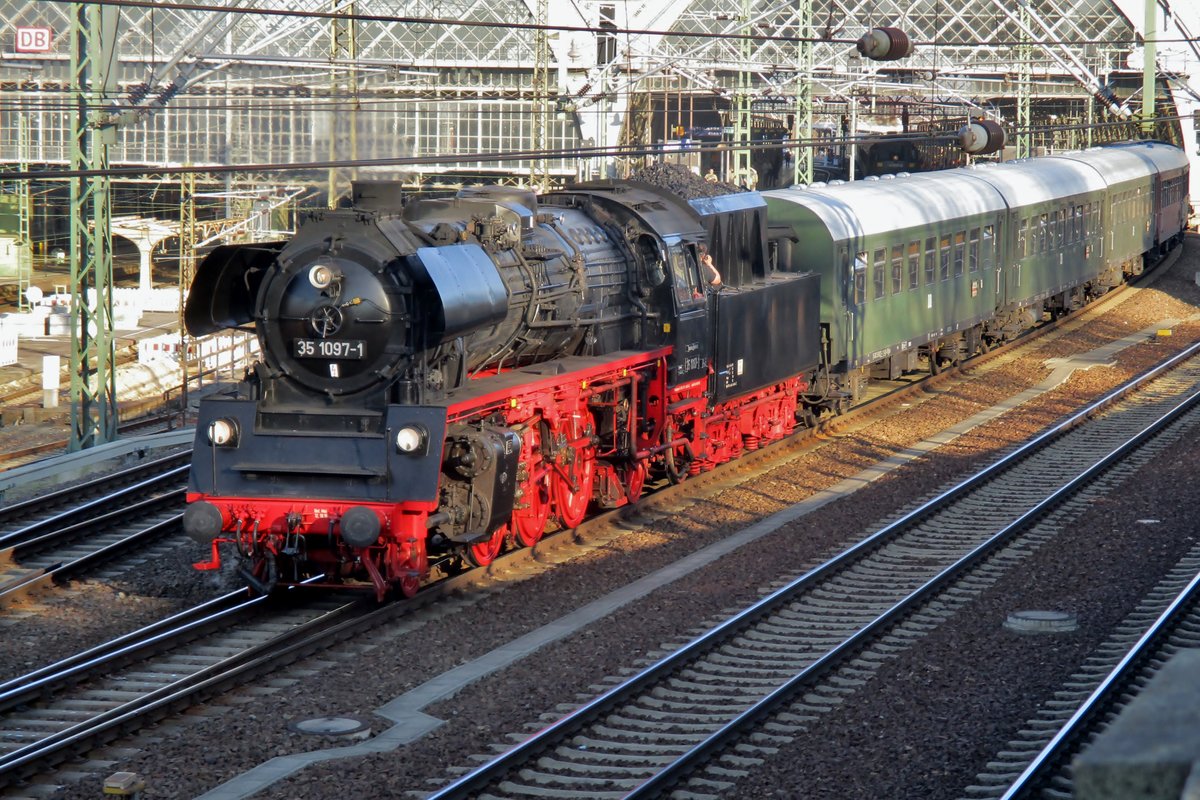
(34,40)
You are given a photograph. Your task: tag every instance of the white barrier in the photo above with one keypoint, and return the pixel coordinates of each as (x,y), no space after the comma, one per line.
(165,346)
(147,299)
(8,346)
(219,351)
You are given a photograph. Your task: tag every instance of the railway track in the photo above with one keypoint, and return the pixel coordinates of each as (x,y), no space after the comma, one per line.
(1166,621)
(63,538)
(70,707)
(65,709)
(151,420)
(695,718)
(53,501)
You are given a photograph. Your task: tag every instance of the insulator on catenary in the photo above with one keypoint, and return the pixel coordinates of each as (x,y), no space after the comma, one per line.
(885,44)
(981,138)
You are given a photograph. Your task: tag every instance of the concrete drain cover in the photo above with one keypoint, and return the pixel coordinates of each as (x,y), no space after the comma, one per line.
(1041,622)
(348,727)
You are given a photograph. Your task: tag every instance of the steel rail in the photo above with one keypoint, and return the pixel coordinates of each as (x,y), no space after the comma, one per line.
(1102,697)
(21,536)
(284,648)
(717,740)
(70,493)
(122,650)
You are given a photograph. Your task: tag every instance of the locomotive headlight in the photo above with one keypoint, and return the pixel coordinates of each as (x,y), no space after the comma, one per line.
(223,432)
(410,439)
(320,276)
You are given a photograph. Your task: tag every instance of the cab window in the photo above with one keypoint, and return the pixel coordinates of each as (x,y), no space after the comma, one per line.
(684,277)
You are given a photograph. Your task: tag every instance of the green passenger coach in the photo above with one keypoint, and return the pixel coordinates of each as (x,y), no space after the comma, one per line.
(918,271)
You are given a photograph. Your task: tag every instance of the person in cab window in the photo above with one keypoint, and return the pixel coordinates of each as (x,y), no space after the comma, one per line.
(708,270)
(710,176)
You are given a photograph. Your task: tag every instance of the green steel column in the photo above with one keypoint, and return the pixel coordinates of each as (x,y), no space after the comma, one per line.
(539,167)
(1149,87)
(802,124)
(24,218)
(1024,136)
(187,270)
(742,102)
(343,76)
(93,371)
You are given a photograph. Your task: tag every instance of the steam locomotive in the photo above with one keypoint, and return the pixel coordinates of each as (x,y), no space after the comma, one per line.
(445,377)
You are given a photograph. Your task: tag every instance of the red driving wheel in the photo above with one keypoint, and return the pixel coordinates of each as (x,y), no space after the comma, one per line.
(483,553)
(574,472)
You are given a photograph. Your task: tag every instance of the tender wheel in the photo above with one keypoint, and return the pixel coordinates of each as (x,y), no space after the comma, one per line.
(634,478)
(677,463)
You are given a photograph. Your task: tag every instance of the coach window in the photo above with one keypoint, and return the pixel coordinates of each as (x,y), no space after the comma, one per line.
(960,250)
(1043,234)
(973,251)
(944,257)
(860,279)
(989,245)
(930,261)
(1023,239)
(914,265)
(897,269)
(879,272)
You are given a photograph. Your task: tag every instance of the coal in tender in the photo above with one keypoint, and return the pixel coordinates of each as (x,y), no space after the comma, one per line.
(681,181)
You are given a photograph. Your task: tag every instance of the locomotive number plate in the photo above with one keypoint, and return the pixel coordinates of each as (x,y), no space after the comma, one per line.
(330,348)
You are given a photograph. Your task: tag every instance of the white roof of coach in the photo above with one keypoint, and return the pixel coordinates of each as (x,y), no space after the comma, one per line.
(868,207)
(1030,182)
(1124,162)
(864,208)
